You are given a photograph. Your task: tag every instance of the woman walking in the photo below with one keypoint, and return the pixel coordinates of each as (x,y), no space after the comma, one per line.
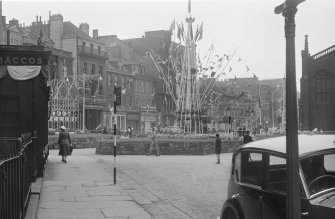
(64,142)
(218,148)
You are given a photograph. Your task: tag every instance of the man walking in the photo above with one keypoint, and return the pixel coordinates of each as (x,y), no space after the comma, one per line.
(153,143)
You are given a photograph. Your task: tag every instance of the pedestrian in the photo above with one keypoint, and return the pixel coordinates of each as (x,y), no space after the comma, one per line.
(153,143)
(247,138)
(64,142)
(218,148)
(130,130)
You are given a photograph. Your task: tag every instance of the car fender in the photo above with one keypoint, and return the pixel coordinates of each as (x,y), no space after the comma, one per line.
(234,204)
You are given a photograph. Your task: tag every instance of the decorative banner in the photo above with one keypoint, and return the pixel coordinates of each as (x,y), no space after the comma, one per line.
(23,72)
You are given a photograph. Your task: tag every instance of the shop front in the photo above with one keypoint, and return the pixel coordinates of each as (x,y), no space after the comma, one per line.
(148,120)
(94,116)
(133,120)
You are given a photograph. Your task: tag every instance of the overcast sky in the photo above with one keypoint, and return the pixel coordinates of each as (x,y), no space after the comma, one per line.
(248,25)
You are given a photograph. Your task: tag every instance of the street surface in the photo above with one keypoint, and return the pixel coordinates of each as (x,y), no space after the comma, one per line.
(168,186)
(194,185)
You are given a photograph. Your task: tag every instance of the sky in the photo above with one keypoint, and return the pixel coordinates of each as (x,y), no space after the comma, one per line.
(249,27)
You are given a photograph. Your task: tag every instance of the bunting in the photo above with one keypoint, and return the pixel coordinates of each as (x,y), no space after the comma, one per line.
(247,68)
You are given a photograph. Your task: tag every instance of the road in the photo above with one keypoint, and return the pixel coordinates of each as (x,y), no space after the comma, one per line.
(194,185)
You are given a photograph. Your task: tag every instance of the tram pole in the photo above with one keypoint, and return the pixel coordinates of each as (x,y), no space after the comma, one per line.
(293,207)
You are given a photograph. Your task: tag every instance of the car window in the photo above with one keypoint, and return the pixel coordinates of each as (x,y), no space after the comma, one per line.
(329,162)
(251,168)
(237,168)
(319,172)
(276,177)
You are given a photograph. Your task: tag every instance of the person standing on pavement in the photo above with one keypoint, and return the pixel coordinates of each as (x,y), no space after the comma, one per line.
(247,138)
(218,148)
(130,130)
(64,142)
(154,143)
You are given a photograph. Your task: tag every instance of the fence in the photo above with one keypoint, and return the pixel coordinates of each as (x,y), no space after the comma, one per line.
(18,169)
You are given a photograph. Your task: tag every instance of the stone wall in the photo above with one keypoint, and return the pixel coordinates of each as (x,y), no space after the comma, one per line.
(77,141)
(140,146)
(167,146)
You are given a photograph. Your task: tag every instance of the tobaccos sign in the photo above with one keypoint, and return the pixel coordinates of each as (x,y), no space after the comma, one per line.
(24,57)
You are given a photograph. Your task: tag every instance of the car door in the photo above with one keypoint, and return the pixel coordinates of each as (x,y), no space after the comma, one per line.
(251,181)
(274,193)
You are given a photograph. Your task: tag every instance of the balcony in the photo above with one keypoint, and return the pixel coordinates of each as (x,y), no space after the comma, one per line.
(84,50)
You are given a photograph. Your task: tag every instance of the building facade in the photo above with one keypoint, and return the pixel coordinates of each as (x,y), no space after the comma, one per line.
(126,69)
(317,101)
(89,74)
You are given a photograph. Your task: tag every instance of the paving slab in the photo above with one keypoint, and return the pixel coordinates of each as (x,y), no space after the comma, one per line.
(82,188)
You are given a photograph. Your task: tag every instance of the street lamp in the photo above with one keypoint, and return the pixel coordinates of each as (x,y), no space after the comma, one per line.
(293,208)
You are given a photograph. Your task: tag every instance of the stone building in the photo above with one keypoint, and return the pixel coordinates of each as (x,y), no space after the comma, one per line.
(158,42)
(317,101)
(89,61)
(126,69)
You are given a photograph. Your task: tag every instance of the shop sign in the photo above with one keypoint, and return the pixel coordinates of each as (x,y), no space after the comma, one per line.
(148,118)
(91,106)
(133,117)
(24,57)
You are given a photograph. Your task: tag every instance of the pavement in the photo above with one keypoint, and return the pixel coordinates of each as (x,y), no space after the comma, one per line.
(83,188)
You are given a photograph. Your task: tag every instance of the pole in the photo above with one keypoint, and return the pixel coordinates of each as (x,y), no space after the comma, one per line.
(84,91)
(273,116)
(115,118)
(293,187)
(283,107)
(293,208)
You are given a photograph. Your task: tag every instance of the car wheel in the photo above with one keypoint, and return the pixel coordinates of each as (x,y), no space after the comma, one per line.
(230,214)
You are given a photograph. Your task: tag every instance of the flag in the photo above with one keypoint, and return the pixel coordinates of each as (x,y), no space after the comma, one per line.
(255,76)
(220,59)
(182,31)
(200,32)
(189,6)
(191,32)
(213,74)
(227,57)
(230,69)
(196,33)
(173,25)
(124,91)
(178,31)
(239,59)
(247,68)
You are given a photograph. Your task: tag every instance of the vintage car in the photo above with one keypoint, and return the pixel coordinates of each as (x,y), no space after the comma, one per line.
(257,184)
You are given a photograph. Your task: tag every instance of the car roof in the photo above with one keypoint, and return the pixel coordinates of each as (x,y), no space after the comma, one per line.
(307,144)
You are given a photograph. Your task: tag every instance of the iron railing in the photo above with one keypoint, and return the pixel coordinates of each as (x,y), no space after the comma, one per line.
(18,169)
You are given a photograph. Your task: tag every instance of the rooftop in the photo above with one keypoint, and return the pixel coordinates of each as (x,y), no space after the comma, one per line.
(307,144)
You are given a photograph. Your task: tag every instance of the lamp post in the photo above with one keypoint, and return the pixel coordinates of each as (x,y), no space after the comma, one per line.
(293,209)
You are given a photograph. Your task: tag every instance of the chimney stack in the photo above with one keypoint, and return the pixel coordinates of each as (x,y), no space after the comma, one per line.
(95,33)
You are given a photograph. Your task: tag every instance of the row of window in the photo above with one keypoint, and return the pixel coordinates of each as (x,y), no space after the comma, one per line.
(126,81)
(92,69)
